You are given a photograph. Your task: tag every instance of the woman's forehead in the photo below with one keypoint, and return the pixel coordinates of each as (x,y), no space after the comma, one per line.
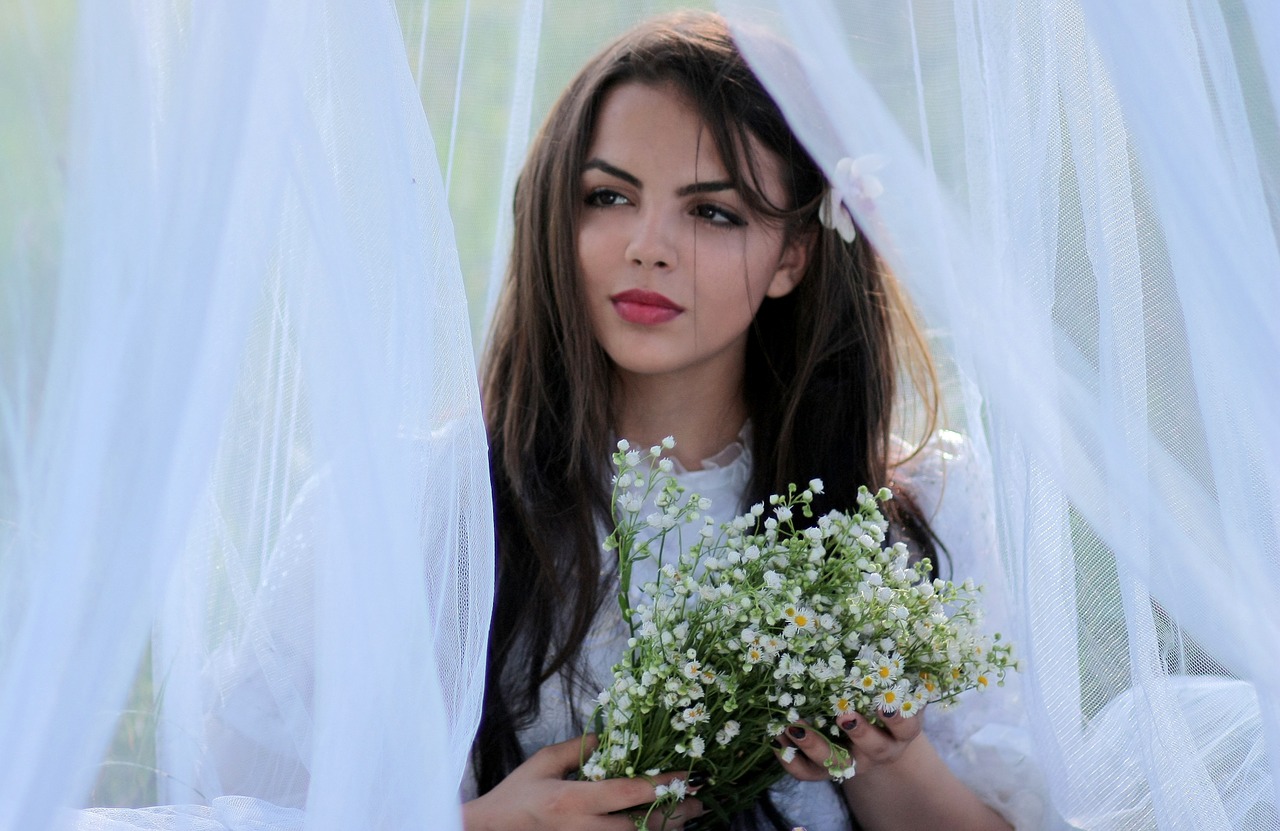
(658,126)
(641,122)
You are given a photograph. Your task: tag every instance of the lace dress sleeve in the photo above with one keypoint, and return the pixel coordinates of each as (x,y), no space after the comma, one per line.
(983,736)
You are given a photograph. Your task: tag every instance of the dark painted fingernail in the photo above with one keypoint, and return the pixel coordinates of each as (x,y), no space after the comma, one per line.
(697,780)
(796,733)
(888,713)
(849,723)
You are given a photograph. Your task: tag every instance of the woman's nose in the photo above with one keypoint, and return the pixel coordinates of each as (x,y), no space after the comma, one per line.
(652,243)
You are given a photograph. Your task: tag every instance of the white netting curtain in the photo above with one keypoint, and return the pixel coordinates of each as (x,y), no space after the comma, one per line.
(240,439)
(1083,200)
(243,506)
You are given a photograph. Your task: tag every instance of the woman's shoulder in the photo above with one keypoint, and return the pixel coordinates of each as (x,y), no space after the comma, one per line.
(935,472)
(949,482)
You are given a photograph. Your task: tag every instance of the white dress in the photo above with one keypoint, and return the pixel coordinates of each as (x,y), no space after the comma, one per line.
(983,739)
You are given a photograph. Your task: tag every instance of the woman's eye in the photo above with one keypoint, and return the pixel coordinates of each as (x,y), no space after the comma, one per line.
(718,216)
(604,198)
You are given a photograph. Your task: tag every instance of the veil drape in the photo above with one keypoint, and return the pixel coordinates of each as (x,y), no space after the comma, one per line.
(243,467)
(245,545)
(1082,198)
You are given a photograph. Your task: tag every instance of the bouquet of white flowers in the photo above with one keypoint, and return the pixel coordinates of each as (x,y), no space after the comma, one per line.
(765,622)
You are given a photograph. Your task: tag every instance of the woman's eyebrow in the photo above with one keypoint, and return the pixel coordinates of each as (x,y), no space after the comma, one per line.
(619,173)
(601,164)
(705,187)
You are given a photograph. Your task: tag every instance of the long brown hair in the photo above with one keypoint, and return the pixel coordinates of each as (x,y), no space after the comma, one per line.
(823,364)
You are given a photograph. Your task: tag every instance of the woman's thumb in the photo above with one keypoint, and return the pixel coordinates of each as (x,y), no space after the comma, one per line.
(559,760)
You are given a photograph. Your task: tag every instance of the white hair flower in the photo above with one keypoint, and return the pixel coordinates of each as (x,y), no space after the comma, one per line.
(853,184)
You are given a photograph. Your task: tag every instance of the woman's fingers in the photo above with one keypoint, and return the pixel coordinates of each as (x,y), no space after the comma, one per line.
(807,754)
(537,795)
(612,795)
(674,817)
(901,728)
(810,755)
(878,744)
(669,816)
(871,743)
(632,795)
(556,761)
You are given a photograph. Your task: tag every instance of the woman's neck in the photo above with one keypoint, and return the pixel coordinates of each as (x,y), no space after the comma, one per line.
(704,415)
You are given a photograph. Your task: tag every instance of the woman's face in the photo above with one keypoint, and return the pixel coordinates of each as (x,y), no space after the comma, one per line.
(673,264)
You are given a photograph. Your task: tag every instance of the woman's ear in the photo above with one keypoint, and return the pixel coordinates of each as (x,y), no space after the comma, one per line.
(792,264)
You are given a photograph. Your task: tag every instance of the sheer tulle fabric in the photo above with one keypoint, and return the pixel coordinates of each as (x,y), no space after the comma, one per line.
(1082,200)
(244,519)
(240,431)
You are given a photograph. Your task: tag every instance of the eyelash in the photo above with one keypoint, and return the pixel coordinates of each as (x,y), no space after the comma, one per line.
(708,212)
(595,198)
(712,214)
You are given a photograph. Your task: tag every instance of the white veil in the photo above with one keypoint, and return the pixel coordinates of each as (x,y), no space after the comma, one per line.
(1083,199)
(242,463)
(244,516)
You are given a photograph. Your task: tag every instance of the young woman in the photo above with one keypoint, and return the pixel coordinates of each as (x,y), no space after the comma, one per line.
(670,276)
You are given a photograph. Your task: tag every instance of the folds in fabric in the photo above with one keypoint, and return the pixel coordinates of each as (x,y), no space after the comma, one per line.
(247,445)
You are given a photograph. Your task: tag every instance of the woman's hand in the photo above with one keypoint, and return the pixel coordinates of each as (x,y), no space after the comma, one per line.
(866,744)
(898,782)
(537,796)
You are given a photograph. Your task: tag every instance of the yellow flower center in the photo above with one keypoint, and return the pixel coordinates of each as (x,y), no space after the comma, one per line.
(890,696)
(884,672)
(802,621)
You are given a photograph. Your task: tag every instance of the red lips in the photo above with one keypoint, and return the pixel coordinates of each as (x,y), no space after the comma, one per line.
(647,308)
